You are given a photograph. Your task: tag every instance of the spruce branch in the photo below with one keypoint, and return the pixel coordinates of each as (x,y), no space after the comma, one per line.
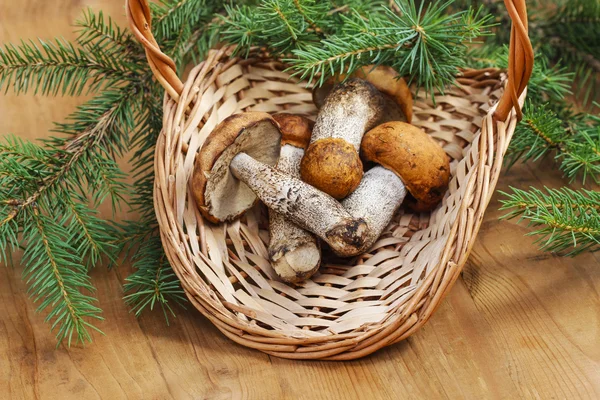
(96,30)
(50,191)
(425,44)
(91,236)
(153,282)
(311,12)
(549,83)
(52,68)
(576,148)
(568,220)
(275,24)
(563,32)
(571,34)
(63,157)
(57,278)
(177,23)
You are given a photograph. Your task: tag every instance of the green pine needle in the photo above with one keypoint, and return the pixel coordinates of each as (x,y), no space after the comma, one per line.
(548,83)
(97,32)
(53,68)
(51,190)
(576,148)
(57,279)
(427,44)
(568,221)
(154,282)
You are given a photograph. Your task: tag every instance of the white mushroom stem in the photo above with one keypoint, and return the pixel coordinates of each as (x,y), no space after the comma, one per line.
(349,111)
(376,200)
(294,252)
(306,206)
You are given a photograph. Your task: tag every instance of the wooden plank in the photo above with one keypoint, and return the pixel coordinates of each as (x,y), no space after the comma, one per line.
(518,324)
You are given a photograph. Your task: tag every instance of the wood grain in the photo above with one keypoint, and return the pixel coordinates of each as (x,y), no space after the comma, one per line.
(518,324)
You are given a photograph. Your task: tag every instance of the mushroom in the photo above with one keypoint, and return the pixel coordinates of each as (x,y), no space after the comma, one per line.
(234,168)
(409,160)
(331,162)
(386,80)
(295,253)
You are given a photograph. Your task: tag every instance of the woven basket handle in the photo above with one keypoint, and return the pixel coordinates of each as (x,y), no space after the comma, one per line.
(520,61)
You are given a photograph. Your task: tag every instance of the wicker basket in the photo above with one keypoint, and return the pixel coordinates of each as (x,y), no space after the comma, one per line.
(346,310)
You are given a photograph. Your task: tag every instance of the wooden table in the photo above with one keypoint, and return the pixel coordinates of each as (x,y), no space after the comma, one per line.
(518,324)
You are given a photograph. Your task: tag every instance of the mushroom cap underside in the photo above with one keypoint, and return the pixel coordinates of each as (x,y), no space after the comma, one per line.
(219,195)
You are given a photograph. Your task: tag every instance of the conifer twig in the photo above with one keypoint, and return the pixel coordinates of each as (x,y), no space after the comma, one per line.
(568,221)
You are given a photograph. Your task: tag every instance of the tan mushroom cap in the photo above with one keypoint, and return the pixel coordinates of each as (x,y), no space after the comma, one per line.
(384,78)
(333,166)
(218,194)
(295,129)
(417,159)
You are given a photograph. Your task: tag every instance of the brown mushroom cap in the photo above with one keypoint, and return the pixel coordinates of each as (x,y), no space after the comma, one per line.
(295,129)
(386,80)
(417,159)
(219,195)
(333,166)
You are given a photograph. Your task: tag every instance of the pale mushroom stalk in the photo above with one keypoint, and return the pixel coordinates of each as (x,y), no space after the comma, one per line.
(303,204)
(294,252)
(331,162)
(235,166)
(376,200)
(398,98)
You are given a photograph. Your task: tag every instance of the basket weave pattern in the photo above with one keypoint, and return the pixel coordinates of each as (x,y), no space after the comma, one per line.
(350,308)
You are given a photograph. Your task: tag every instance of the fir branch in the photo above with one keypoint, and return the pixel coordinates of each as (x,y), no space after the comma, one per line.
(50,68)
(56,278)
(548,83)
(274,24)
(571,34)
(45,197)
(9,230)
(539,132)
(63,161)
(94,29)
(427,45)
(153,282)
(176,23)
(90,235)
(564,31)
(568,220)
(576,149)
(49,192)
(312,11)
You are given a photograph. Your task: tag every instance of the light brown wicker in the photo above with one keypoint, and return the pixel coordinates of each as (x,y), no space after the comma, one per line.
(351,308)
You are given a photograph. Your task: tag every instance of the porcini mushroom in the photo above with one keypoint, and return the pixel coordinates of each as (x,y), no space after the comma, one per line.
(409,160)
(386,80)
(294,252)
(234,167)
(331,162)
